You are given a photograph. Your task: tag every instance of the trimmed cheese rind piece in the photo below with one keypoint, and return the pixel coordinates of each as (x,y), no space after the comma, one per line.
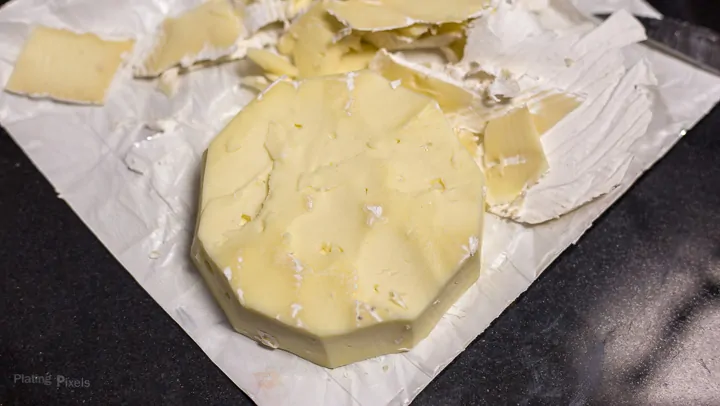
(319,215)
(550,110)
(380,15)
(318,45)
(206,32)
(513,156)
(67,66)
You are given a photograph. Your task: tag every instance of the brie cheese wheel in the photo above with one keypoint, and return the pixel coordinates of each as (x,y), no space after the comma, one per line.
(207,32)
(339,218)
(67,66)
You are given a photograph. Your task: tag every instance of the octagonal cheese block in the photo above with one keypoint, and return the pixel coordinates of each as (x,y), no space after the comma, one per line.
(339,218)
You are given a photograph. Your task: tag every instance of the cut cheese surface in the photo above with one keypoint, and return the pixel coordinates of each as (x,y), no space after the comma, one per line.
(272,62)
(551,110)
(67,66)
(513,156)
(207,32)
(339,218)
(377,15)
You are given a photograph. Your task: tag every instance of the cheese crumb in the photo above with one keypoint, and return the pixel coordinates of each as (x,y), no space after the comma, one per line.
(296,263)
(373,313)
(295,309)
(350,80)
(228,273)
(267,340)
(376,213)
(397,299)
(470,249)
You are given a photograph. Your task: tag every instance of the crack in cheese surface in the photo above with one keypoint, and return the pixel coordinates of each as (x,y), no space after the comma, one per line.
(321,222)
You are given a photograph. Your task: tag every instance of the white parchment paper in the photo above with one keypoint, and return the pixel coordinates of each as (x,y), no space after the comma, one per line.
(130,170)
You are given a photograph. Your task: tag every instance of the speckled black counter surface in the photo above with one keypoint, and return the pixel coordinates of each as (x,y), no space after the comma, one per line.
(631,315)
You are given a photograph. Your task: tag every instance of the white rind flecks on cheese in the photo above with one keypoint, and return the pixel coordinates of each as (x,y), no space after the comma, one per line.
(353,274)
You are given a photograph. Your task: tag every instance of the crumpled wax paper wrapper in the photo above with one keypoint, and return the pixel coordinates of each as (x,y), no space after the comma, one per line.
(130,171)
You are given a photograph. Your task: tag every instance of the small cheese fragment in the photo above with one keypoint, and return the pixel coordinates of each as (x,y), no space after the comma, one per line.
(549,111)
(67,66)
(460,104)
(321,202)
(258,83)
(207,32)
(378,15)
(513,156)
(414,31)
(470,141)
(419,36)
(272,62)
(169,82)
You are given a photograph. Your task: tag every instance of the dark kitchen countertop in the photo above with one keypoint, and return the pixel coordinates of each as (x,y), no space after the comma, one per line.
(631,315)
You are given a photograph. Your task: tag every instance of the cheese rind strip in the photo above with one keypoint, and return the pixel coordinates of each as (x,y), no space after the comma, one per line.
(319,215)
(67,66)
(380,15)
(207,32)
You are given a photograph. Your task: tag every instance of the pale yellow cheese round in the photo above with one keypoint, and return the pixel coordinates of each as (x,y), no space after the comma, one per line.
(339,218)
